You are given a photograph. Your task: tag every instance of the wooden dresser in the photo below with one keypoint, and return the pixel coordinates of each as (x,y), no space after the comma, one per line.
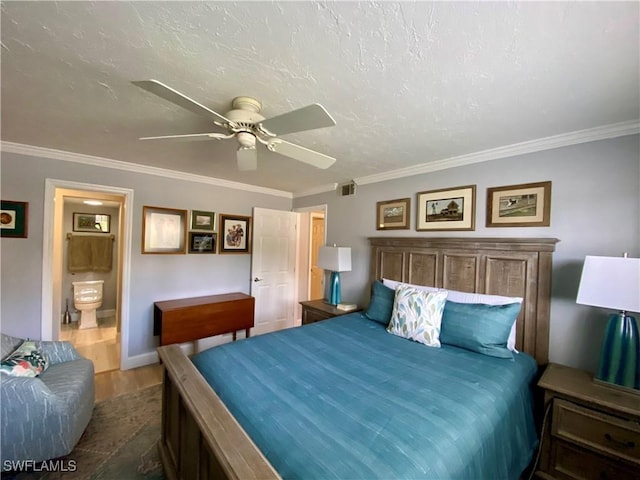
(592,431)
(189,319)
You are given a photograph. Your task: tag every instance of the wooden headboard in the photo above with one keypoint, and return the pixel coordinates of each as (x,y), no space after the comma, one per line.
(513,267)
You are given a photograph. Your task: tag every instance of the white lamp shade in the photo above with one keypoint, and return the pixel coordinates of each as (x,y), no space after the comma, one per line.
(610,282)
(335,259)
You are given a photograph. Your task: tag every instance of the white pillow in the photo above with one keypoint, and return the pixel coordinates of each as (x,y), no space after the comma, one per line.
(417,315)
(467,297)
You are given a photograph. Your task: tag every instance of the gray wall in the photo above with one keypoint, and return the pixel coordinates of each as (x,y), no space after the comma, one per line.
(595,210)
(153,277)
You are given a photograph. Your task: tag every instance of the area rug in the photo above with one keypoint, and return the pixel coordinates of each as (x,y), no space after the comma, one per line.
(120,442)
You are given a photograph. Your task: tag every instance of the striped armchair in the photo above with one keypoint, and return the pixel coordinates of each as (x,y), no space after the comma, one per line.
(43,417)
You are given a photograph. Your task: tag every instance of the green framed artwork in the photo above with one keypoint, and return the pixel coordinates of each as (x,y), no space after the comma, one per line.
(201,220)
(14,219)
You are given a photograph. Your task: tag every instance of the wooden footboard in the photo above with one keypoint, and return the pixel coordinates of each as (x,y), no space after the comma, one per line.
(200,438)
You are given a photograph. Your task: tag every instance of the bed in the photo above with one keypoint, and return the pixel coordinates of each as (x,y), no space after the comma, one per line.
(280,402)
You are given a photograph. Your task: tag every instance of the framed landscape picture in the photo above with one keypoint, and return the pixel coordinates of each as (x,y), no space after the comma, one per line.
(201,220)
(234,233)
(163,230)
(14,219)
(393,214)
(91,222)
(200,242)
(447,209)
(525,205)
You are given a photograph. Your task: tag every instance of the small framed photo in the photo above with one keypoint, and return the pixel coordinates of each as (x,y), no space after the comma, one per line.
(201,220)
(201,242)
(14,219)
(234,234)
(393,214)
(447,209)
(525,205)
(91,223)
(163,230)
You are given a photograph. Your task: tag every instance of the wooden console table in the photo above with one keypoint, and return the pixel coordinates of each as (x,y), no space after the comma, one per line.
(190,319)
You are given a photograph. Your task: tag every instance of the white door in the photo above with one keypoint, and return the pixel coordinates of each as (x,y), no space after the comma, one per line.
(273,276)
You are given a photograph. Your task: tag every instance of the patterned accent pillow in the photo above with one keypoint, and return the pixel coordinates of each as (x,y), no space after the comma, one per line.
(417,315)
(25,361)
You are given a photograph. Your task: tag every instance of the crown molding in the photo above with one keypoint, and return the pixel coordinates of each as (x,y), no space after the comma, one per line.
(556,141)
(134,167)
(316,190)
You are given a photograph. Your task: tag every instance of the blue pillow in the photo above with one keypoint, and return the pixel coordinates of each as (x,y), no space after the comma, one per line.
(479,327)
(381,304)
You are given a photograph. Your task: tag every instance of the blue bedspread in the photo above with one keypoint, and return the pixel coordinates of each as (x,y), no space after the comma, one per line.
(343,398)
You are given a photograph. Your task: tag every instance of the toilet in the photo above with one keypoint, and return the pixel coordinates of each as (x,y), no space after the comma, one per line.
(87,298)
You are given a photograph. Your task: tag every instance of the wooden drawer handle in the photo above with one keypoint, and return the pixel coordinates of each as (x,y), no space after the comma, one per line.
(619,443)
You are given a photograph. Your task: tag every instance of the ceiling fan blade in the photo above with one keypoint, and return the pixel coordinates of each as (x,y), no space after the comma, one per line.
(247,158)
(191,137)
(302,154)
(305,118)
(168,93)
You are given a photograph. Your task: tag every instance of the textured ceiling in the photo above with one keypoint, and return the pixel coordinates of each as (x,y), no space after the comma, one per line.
(407,83)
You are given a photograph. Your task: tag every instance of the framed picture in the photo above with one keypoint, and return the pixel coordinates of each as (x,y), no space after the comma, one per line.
(200,242)
(14,219)
(234,234)
(447,209)
(91,222)
(393,214)
(163,230)
(201,220)
(525,205)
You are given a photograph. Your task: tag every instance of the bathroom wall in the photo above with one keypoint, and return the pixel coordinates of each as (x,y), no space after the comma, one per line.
(110,291)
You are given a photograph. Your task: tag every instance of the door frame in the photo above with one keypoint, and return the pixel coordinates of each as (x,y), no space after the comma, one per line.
(52,248)
(305,250)
(315,214)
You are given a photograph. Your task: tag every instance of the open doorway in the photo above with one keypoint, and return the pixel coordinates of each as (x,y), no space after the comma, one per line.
(93,327)
(312,235)
(316,277)
(103,337)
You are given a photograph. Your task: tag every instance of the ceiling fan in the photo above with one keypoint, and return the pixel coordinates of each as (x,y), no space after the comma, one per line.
(251,129)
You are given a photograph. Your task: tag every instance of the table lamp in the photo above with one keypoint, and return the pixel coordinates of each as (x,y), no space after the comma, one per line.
(336,260)
(614,282)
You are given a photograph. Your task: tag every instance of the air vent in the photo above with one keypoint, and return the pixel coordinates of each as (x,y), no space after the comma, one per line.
(347,189)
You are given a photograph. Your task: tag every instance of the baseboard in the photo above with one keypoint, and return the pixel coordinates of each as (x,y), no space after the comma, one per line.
(150,358)
(141,360)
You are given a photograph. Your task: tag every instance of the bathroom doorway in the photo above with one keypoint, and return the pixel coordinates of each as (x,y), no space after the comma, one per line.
(66,217)
(91,223)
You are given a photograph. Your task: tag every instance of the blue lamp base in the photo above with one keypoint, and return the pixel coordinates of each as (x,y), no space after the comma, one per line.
(620,357)
(335,297)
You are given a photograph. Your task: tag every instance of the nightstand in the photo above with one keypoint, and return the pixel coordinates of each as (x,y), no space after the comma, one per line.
(316,310)
(591,430)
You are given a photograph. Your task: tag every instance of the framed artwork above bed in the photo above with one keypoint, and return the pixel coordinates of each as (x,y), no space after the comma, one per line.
(525,205)
(447,209)
(393,214)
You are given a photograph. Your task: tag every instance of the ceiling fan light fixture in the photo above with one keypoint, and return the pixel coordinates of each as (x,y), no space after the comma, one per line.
(247,158)
(246,140)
